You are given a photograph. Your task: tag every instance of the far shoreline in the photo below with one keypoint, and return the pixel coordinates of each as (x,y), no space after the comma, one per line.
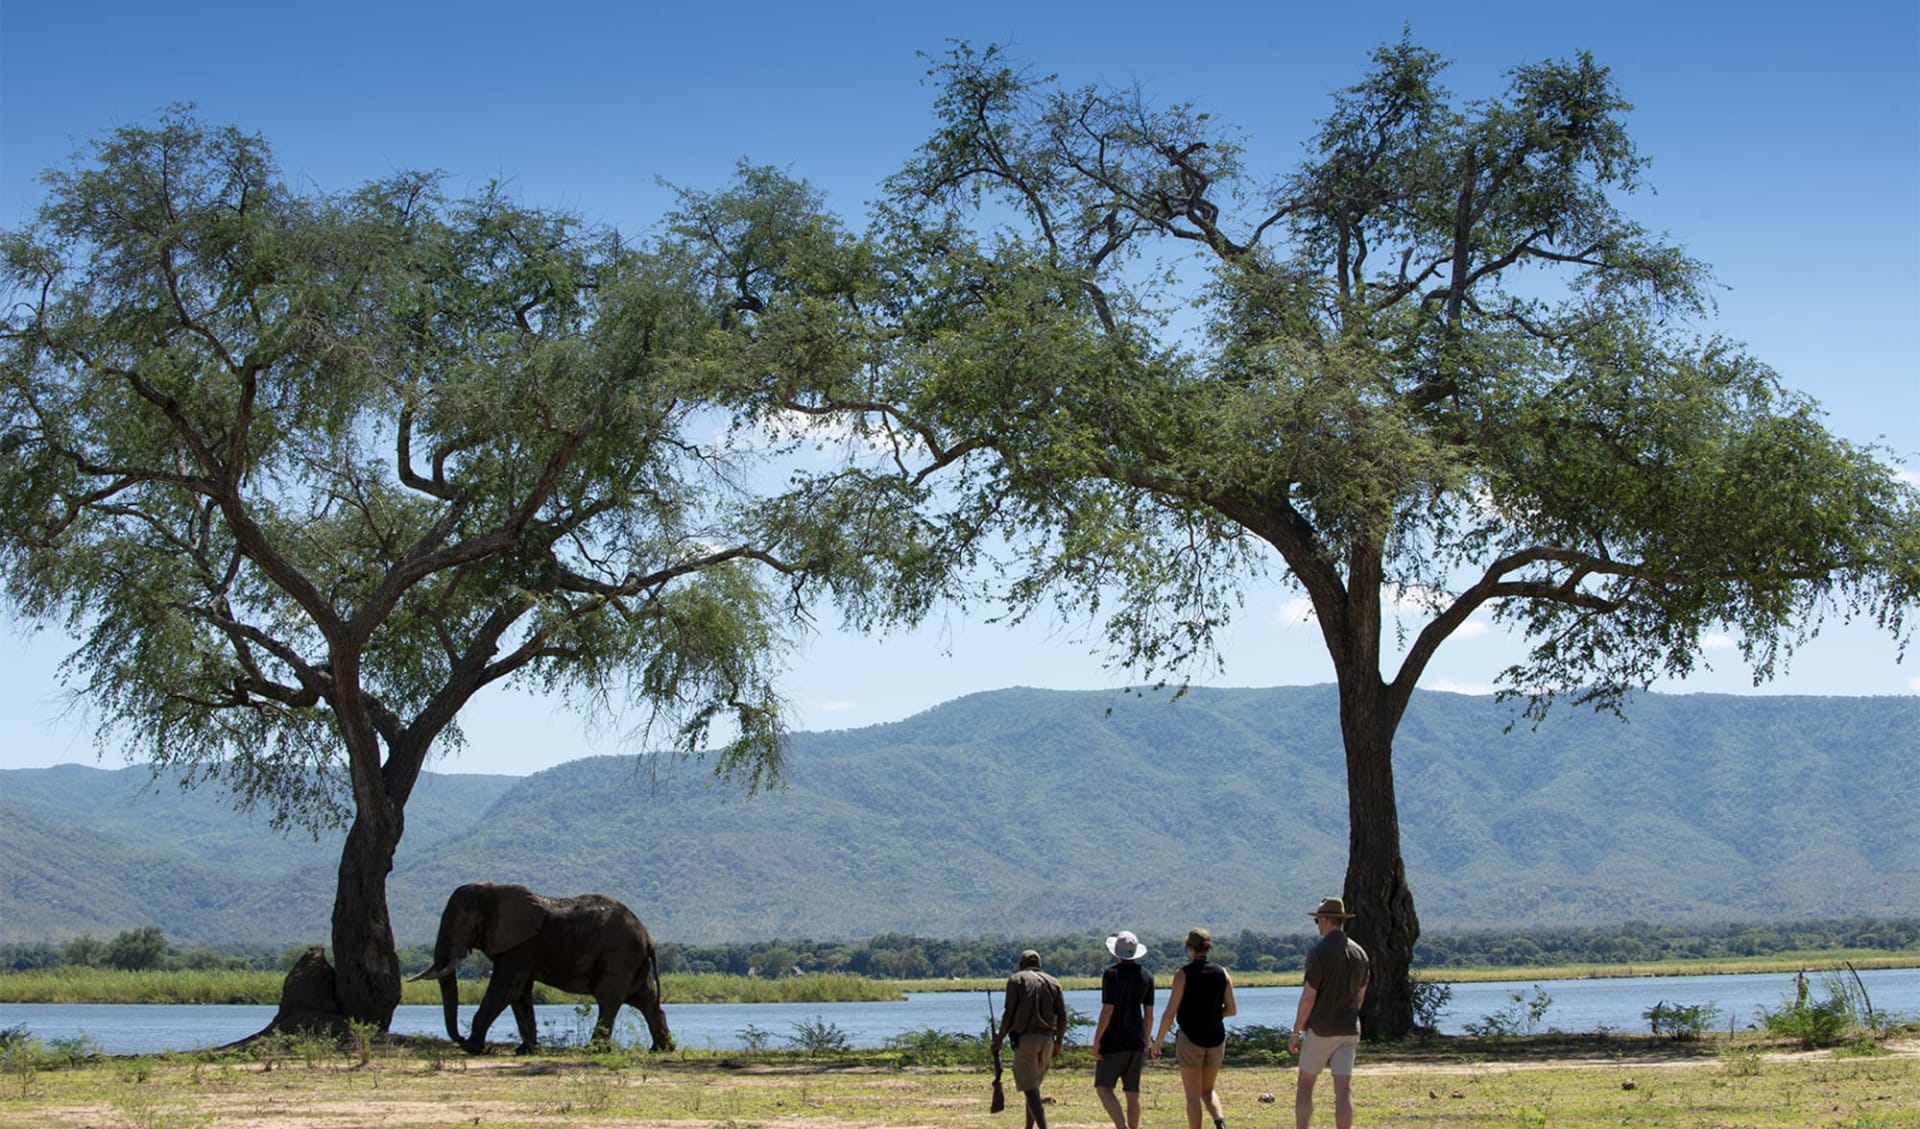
(69,985)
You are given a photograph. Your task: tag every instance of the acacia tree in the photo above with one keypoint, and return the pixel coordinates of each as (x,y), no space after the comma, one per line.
(1439,370)
(305,472)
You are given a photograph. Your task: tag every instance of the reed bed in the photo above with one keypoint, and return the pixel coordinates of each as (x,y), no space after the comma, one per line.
(79,985)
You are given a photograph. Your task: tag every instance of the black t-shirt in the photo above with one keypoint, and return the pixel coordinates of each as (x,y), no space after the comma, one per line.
(1129,988)
(1201,1002)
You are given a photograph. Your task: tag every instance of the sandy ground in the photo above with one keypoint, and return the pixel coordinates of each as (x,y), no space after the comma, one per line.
(502,1091)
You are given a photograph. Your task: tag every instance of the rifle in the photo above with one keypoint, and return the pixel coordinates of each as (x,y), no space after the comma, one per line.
(999,1101)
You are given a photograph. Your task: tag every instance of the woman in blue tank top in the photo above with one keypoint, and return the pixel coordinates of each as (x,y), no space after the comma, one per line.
(1202,999)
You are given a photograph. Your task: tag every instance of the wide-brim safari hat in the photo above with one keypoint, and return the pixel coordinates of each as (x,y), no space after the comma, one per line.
(1126,946)
(1331,907)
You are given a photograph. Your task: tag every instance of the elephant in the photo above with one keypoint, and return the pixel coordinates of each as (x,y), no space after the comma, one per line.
(590,944)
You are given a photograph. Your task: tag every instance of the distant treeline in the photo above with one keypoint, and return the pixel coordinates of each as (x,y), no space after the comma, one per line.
(903,957)
(899,956)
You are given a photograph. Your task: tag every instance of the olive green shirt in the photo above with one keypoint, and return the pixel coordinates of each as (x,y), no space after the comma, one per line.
(1034,1004)
(1337,973)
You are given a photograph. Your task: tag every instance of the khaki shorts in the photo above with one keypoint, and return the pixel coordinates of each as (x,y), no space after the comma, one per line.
(1192,1056)
(1332,1053)
(1031,1059)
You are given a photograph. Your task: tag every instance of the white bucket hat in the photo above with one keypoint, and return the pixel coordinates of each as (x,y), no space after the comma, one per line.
(1123,940)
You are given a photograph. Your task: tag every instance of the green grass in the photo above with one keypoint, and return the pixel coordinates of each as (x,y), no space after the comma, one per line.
(1443,1084)
(77,985)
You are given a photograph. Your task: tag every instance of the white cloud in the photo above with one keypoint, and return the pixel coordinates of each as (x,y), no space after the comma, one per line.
(1915,683)
(1421,597)
(1472,629)
(1717,641)
(1449,686)
(1295,612)
(841,706)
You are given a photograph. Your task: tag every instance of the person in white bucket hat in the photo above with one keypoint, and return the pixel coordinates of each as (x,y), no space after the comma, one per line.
(1120,1038)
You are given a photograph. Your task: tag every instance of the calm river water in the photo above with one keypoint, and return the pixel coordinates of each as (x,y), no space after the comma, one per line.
(1577,1005)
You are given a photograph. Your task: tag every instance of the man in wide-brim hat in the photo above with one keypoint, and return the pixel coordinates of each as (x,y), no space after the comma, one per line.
(1326,1028)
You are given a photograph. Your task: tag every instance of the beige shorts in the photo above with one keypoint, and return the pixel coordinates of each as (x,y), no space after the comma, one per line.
(1332,1053)
(1192,1056)
(1031,1059)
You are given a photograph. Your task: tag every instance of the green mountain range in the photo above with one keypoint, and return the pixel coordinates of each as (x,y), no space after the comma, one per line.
(1031,812)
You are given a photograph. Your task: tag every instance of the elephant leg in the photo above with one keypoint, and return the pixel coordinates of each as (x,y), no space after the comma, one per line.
(509,983)
(646,999)
(523,1017)
(609,1002)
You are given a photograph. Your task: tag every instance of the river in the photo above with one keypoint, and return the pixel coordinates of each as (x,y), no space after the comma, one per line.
(1614,1004)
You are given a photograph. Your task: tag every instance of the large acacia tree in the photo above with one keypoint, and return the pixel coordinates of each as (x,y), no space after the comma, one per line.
(1436,371)
(304,472)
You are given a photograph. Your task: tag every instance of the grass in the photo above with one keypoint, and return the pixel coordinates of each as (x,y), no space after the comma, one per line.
(1564,1082)
(78,985)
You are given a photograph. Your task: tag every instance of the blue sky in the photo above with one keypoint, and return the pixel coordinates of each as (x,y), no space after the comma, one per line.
(1785,142)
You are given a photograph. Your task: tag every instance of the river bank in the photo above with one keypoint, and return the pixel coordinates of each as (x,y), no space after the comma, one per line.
(1596,1005)
(80,985)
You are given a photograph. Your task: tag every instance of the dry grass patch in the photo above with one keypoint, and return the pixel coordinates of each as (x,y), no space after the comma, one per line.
(1448,1085)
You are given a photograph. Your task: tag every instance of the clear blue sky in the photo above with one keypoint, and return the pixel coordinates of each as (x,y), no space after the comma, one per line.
(1785,142)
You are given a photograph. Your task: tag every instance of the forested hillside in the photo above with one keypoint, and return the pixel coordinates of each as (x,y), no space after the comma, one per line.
(1037,812)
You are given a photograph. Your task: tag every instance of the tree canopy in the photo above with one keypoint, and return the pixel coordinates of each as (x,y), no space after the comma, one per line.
(306,471)
(1437,365)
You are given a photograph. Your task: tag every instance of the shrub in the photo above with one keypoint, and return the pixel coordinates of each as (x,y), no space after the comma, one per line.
(138,949)
(1430,998)
(1257,1044)
(1520,1017)
(1845,1016)
(818,1036)
(928,1047)
(755,1038)
(1681,1022)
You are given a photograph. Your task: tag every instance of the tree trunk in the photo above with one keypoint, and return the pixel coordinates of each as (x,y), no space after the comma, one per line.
(1376,887)
(366,967)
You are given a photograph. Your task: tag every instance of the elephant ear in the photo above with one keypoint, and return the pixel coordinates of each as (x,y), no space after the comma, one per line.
(517,916)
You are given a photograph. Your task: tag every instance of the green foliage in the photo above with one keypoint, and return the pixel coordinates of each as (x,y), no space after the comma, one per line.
(1835,1013)
(22,1057)
(1521,1016)
(306,471)
(138,949)
(1441,372)
(818,1036)
(1681,1022)
(928,1047)
(1430,998)
(755,1038)
(1258,1043)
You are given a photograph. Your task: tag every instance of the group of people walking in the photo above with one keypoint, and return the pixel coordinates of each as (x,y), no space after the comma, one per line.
(1326,1026)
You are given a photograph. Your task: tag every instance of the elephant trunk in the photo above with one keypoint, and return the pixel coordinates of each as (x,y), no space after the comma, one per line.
(448,951)
(450,1002)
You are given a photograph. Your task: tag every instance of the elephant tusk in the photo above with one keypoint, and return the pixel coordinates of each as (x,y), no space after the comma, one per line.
(434,974)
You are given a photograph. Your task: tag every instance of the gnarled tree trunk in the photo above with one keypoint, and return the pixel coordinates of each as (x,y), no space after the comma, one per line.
(366,967)
(1376,890)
